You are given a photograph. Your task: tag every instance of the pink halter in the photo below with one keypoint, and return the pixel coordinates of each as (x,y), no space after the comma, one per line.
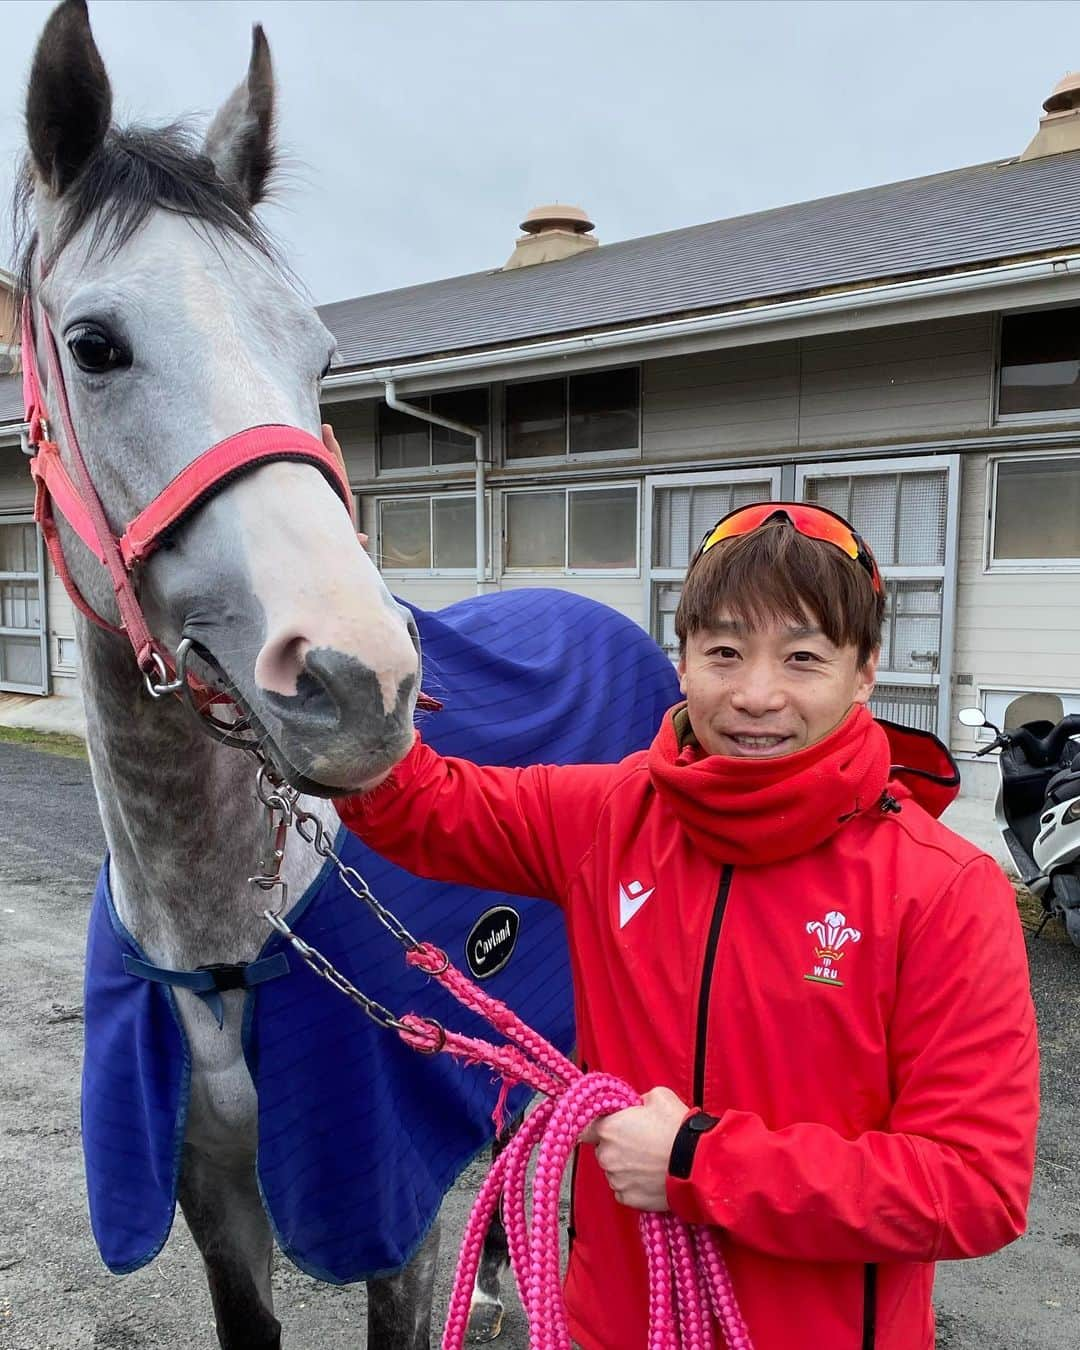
(79,504)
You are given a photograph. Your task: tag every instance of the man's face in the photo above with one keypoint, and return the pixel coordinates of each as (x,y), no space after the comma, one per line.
(772,690)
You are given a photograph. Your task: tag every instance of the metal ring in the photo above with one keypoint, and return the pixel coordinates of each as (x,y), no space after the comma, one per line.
(438,970)
(437,1027)
(165,685)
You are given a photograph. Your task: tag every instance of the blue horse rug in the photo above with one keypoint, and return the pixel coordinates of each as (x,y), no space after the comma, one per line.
(360,1137)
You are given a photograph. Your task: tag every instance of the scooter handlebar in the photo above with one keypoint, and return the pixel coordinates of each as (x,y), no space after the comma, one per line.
(1040,750)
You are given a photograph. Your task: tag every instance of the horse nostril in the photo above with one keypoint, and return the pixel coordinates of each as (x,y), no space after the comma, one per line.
(281,662)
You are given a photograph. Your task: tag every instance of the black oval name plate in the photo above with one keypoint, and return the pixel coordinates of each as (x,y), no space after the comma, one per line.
(491,942)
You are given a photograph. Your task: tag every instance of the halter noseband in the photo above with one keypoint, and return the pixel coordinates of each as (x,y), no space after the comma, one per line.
(78,502)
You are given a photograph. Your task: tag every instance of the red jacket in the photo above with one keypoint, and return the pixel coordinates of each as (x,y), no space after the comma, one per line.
(808,955)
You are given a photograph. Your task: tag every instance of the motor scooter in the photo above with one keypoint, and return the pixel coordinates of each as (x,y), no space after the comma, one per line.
(1038,808)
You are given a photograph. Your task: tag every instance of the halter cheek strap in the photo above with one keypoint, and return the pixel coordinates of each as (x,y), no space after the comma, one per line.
(76,498)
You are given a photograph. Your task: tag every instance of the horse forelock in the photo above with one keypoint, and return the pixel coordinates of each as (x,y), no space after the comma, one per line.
(136,170)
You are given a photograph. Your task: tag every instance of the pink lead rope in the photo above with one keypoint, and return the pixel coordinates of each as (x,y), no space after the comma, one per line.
(690,1289)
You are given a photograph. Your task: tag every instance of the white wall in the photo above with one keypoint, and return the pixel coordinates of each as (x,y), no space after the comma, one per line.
(855,388)
(904,382)
(720,403)
(1014,630)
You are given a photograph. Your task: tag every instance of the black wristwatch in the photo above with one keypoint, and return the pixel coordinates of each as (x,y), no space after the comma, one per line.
(686,1142)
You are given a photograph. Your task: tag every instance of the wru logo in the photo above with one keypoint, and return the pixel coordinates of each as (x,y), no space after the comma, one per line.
(832,935)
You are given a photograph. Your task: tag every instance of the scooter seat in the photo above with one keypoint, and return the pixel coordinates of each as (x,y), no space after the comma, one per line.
(1063,787)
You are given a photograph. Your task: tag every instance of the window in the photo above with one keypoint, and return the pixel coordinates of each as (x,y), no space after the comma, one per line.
(911,629)
(428,534)
(1010,708)
(573,530)
(905,510)
(1036,511)
(1040,362)
(407,443)
(593,413)
(67,654)
(22,646)
(901,515)
(684,506)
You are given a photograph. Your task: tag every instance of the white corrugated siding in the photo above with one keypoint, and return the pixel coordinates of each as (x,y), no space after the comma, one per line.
(1014,630)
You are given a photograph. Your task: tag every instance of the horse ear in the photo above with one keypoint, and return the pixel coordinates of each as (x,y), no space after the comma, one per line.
(69,101)
(240,140)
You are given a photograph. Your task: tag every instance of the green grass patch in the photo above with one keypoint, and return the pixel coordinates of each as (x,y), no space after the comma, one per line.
(51,742)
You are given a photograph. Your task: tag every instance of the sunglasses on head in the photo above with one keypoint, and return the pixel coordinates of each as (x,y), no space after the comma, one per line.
(815,522)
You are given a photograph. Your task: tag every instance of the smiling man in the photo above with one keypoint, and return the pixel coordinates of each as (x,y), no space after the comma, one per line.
(821,992)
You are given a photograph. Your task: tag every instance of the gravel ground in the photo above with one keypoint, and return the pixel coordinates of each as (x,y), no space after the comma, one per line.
(56,1295)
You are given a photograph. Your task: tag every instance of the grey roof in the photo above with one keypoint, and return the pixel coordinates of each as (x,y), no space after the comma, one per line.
(918,227)
(947,221)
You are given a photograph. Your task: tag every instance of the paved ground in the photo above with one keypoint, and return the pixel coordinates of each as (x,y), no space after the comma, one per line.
(55,1295)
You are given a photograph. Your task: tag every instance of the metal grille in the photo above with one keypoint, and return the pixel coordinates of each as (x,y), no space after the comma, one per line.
(683,514)
(912,705)
(19,605)
(22,641)
(18,548)
(665,603)
(911,632)
(902,516)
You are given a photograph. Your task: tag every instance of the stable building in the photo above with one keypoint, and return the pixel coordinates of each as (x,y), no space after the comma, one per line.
(908,355)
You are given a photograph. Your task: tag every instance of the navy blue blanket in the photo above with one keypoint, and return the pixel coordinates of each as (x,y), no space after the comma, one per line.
(359,1137)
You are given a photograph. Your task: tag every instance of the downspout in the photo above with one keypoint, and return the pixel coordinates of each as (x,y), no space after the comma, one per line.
(392,401)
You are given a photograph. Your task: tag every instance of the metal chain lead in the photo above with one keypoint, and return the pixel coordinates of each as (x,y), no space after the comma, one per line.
(314,959)
(284,810)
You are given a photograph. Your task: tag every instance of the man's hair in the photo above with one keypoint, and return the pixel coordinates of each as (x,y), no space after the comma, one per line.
(775,572)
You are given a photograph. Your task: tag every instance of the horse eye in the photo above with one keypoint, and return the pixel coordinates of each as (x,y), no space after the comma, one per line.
(95,352)
(326,369)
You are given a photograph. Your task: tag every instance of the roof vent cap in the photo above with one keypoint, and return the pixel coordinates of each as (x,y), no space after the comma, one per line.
(1059,128)
(552,233)
(558,216)
(1066,95)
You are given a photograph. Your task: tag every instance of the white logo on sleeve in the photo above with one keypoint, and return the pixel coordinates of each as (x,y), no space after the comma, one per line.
(631,898)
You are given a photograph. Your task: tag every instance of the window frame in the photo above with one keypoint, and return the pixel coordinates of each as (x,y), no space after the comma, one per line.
(566,571)
(575,456)
(445,470)
(994,698)
(413,573)
(64,666)
(1016,566)
(1030,419)
(654,576)
(41,577)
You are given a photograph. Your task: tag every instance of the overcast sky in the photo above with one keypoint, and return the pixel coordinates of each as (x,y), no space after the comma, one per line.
(418,134)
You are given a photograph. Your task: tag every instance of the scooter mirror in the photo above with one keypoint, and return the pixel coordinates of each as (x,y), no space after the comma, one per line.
(971,717)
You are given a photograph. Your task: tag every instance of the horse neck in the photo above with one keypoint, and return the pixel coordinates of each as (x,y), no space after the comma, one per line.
(184,827)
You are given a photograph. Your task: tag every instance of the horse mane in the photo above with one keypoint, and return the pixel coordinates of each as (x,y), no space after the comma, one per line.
(136,170)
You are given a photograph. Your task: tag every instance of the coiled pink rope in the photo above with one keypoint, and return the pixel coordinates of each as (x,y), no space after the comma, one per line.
(690,1289)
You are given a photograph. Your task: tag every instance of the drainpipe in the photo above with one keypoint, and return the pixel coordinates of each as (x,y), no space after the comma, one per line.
(392,401)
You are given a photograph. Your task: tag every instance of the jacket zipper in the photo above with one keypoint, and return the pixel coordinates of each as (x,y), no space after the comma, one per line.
(869,1335)
(571,1230)
(711,945)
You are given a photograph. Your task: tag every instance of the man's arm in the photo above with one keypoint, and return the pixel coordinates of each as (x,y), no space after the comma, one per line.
(505,829)
(951,1175)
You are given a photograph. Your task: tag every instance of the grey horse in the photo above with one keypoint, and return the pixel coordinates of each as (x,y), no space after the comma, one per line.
(177,328)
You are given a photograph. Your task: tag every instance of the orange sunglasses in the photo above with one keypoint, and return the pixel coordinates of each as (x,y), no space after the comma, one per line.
(815,522)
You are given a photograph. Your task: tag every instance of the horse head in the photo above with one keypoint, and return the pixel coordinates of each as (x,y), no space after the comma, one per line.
(175,329)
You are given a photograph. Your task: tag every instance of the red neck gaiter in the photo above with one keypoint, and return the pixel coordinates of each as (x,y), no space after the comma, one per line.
(753,811)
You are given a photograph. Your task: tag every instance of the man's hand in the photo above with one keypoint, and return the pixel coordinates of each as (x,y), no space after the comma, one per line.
(332,444)
(634,1146)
